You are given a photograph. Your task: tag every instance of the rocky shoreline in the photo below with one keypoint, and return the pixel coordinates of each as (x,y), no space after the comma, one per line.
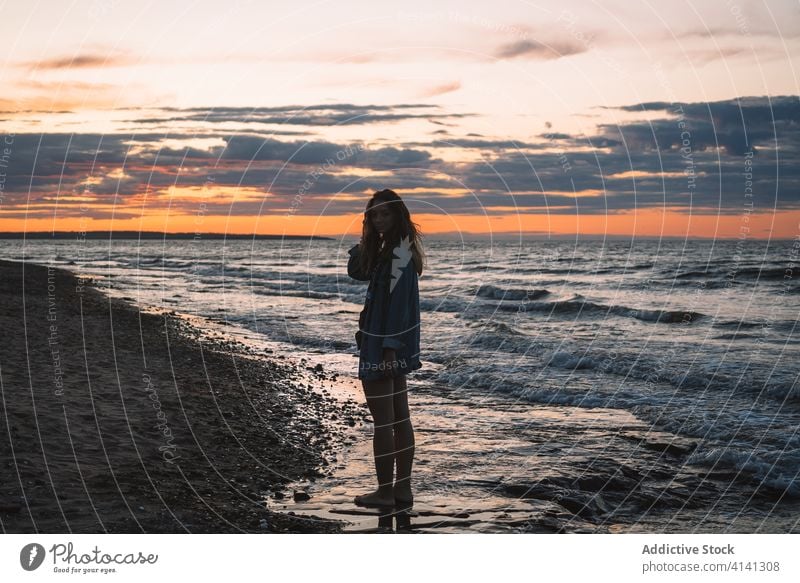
(116,420)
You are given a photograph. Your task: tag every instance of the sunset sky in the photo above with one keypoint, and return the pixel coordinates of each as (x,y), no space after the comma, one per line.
(605,117)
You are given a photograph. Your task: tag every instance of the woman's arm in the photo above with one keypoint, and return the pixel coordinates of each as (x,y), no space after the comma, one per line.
(353,265)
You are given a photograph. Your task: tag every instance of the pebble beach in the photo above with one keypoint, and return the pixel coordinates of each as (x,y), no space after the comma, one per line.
(120,421)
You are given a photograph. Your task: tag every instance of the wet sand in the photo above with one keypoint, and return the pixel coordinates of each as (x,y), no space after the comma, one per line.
(114,420)
(523,468)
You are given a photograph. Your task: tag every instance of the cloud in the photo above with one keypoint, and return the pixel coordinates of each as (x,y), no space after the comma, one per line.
(441,89)
(312,115)
(480,144)
(746,27)
(57,97)
(736,125)
(107,165)
(556,136)
(81,61)
(538,50)
(635,164)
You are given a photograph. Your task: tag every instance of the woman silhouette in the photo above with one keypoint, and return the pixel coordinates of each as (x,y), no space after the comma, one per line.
(390,257)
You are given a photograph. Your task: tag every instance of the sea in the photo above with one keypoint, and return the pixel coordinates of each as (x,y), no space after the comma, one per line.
(667,367)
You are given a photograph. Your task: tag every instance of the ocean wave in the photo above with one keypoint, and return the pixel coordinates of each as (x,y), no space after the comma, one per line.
(512,382)
(636,366)
(546,270)
(442,305)
(693,274)
(783,391)
(494,335)
(580,304)
(707,284)
(780,474)
(770,462)
(765,325)
(762,273)
(162,262)
(499,293)
(735,336)
(566,360)
(735,324)
(297,293)
(731,273)
(785,325)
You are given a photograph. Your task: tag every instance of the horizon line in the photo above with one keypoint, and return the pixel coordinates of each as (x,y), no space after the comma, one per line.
(537,235)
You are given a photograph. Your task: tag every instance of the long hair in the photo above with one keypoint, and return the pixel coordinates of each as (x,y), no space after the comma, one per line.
(375,250)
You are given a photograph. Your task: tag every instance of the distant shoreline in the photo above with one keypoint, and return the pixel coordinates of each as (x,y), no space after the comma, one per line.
(156,236)
(148,235)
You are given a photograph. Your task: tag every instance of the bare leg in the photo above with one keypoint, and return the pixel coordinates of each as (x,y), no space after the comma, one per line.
(379,400)
(403,441)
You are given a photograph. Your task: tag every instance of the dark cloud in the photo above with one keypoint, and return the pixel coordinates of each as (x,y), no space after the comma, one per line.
(312,115)
(735,125)
(635,164)
(251,148)
(556,136)
(533,49)
(42,166)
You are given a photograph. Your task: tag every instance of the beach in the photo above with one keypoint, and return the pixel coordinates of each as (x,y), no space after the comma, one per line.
(120,421)
(631,388)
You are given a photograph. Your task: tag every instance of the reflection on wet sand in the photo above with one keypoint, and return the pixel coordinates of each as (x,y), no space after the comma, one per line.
(496,465)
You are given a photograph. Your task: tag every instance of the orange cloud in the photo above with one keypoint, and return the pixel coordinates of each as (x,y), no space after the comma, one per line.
(441,89)
(84,61)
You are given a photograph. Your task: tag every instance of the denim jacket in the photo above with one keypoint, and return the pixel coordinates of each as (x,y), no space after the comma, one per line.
(392,313)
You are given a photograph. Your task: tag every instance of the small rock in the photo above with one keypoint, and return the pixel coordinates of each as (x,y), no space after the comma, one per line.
(301,496)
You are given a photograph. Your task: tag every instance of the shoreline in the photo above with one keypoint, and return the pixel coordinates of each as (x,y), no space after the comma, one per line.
(246,422)
(122,421)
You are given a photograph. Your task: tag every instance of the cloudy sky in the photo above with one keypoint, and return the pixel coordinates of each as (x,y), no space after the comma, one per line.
(603,117)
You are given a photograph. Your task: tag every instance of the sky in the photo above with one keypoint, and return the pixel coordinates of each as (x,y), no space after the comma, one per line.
(618,118)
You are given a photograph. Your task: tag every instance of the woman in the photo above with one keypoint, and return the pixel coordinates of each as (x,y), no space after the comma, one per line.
(391,258)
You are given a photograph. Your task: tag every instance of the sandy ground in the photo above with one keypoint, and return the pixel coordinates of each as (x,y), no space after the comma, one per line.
(114,420)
